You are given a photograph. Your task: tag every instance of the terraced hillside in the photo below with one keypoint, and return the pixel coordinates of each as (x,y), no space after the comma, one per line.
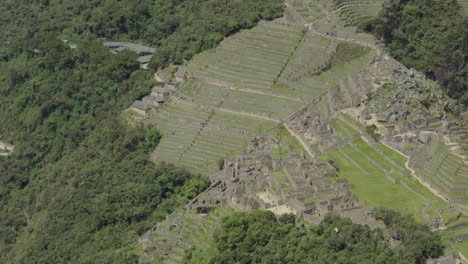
(446,172)
(379,173)
(263,81)
(178,233)
(354,13)
(328,26)
(305,11)
(251,59)
(197,138)
(252,81)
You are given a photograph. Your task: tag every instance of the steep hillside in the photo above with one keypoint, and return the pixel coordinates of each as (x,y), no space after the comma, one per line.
(430,36)
(322,108)
(300,114)
(78,186)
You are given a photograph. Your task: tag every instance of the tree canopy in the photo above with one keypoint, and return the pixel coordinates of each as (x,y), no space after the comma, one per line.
(79,187)
(260,237)
(428,35)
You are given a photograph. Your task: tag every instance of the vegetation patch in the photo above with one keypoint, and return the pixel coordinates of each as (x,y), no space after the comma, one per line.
(260,237)
(433,43)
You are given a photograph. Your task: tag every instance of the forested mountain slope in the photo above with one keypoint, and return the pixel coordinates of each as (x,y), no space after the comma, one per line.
(430,36)
(297,110)
(346,150)
(79,184)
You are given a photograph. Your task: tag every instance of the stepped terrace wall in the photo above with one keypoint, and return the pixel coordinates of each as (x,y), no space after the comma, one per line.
(443,170)
(197,138)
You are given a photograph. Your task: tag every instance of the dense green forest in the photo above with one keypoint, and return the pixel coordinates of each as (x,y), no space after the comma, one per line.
(260,237)
(430,36)
(79,188)
(79,184)
(178,29)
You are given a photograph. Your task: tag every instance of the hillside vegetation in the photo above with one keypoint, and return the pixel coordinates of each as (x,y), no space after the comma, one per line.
(259,237)
(79,178)
(79,184)
(430,36)
(178,28)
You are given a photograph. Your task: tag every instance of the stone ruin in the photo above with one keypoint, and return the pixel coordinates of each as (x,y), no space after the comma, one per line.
(159,95)
(248,181)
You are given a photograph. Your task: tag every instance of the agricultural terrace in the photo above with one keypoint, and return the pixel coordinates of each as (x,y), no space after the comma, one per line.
(332,25)
(248,101)
(251,59)
(279,59)
(355,14)
(252,81)
(380,178)
(305,11)
(444,171)
(379,174)
(173,240)
(197,138)
(342,3)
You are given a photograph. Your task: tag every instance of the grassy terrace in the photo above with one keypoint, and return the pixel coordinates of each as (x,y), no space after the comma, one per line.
(196,138)
(310,84)
(308,10)
(334,25)
(244,101)
(457,225)
(447,173)
(283,180)
(312,53)
(371,167)
(340,3)
(374,189)
(285,138)
(355,14)
(353,122)
(193,230)
(250,59)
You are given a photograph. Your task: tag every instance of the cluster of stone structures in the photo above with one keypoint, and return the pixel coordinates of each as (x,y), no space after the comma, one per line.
(250,180)
(305,183)
(302,184)
(144,52)
(159,95)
